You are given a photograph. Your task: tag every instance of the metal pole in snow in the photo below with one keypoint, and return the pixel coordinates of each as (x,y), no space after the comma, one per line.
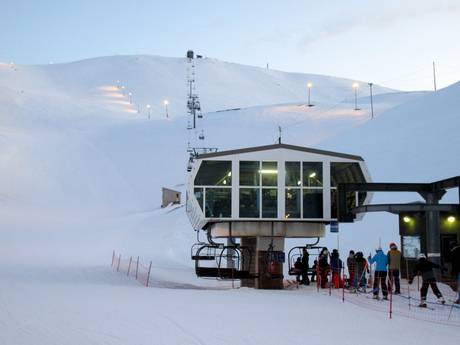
(113,257)
(137,267)
(129,266)
(434,76)
(119,260)
(148,274)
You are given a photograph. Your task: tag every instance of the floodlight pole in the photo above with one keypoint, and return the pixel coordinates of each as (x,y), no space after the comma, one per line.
(309,86)
(149,109)
(372,100)
(356,98)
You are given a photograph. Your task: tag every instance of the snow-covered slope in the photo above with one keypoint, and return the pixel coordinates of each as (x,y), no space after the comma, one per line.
(72,136)
(151,79)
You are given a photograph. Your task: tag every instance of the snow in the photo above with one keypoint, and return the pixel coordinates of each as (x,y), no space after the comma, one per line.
(82,173)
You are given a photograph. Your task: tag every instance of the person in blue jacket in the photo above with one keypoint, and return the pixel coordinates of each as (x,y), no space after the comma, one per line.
(380,276)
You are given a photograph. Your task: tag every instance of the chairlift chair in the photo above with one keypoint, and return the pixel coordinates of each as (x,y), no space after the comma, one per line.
(297,252)
(201,136)
(224,262)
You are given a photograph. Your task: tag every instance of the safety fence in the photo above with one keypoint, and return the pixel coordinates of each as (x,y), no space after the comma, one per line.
(405,304)
(132,267)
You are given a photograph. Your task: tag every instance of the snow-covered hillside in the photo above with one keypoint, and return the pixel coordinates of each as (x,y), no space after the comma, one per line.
(82,169)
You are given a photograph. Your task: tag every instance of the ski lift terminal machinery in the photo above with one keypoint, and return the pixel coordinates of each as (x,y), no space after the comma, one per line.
(248,201)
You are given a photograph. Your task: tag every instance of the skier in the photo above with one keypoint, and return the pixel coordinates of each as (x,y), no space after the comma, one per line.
(313,271)
(425,269)
(336,267)
(394,267)
(298,269)
(380,276)
(361,266)
(323,266)
(305,267)
(351,265)
(455,259)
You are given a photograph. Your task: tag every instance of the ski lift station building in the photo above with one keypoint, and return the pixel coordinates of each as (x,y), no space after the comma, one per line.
(256,197)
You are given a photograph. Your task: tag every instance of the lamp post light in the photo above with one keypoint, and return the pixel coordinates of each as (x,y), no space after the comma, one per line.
(356,87)
(372,99)
(309,86)
(166,103)
(149,110)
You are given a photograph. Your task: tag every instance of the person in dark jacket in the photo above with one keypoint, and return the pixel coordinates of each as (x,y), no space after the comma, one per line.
(351,265)
(361,266)
(455,260)
(298,268)
(305,267)
(313,271)
(381,261)
(425,269)
(323,266)
(336,267)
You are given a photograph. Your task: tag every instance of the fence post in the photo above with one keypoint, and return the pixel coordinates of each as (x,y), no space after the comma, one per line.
(119,260)
(408,294)
(113,257)
(129,266)
(407,281)
(330,281)
(391,293)
(137,267)
(318,277)
(343,284)
(148,274)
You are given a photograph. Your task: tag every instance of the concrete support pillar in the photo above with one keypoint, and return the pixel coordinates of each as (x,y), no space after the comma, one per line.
(270,273)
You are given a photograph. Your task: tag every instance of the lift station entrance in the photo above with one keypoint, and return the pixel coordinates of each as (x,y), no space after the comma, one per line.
(248,201)
(428,227)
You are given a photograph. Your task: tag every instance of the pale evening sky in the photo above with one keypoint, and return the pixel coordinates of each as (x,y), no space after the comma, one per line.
(392,42)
